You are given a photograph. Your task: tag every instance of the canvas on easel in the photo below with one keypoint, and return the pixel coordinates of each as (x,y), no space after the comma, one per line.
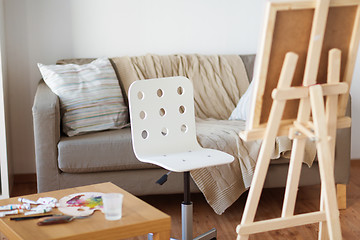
(308,52)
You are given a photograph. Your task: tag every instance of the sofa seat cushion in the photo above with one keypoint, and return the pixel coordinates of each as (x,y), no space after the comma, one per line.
(101,151)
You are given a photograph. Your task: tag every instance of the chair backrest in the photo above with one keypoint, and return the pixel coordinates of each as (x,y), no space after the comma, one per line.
(162,116)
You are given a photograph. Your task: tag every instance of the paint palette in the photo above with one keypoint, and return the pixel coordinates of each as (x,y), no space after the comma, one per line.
(81,204)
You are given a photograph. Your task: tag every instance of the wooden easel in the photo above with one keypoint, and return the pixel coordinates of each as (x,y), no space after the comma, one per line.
(314,119)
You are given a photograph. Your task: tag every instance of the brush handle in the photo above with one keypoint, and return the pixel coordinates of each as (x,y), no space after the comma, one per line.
(30,217)
(55,220)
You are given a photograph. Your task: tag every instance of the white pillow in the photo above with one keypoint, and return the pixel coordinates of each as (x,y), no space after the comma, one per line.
(90,96)
(242,110)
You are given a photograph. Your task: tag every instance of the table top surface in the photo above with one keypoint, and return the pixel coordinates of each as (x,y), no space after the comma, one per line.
(138,218)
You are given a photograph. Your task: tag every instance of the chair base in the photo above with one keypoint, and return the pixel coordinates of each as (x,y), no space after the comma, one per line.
(210,235)
(150,237)
(187,225)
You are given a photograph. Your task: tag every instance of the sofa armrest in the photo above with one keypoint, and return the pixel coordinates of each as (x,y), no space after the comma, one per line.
(46,120)
(342,151)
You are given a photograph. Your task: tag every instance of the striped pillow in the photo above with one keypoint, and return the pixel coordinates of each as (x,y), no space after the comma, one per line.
(90,96)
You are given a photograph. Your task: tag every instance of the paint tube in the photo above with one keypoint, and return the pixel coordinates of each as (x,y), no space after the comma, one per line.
(44,210)
(15,206)
(10,207)
(25,206)
(52,205)
(47,201)
(39,209)
(27,201)
(17,211)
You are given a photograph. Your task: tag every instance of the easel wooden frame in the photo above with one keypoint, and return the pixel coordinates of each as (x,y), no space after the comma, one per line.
(267,54)
(302,77)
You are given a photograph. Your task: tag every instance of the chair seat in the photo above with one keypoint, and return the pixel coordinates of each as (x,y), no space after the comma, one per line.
(187,161)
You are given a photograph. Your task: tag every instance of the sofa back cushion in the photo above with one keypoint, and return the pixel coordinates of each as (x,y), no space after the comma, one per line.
(90,96)
(219,80)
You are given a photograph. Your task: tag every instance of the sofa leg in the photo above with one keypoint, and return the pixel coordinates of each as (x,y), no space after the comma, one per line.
(341,195)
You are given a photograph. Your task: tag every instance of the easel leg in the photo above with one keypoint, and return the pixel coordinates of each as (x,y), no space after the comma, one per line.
(267,146)
(323,229)
(257,183)
(331,119)
(341,195)
(326,168)
(292,182)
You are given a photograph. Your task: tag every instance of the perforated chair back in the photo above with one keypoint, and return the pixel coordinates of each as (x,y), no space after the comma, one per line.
(163,125)
(163,112)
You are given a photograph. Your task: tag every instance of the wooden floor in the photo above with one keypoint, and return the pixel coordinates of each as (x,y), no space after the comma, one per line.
(270,206)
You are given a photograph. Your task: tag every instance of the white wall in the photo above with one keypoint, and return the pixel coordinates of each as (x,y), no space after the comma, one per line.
(45,31)
(4,192)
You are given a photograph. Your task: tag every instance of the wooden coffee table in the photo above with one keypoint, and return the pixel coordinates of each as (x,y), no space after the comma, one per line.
(139,218)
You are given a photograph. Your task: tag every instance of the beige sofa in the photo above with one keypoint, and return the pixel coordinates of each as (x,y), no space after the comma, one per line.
(63,162)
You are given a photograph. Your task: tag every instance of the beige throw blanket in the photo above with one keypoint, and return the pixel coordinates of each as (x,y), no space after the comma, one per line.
(222,185)
(219,82)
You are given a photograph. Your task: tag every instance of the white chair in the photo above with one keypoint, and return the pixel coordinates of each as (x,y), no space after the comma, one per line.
(163,133)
